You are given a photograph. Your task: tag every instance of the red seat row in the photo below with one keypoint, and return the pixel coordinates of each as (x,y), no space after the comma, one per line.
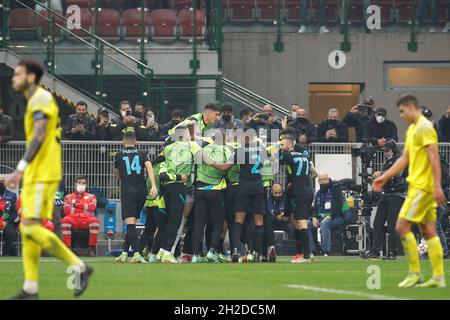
(160,24)
(176,4)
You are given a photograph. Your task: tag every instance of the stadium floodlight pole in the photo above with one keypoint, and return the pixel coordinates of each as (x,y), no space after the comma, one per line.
(412,44)
(218,32)
(51,45)
(345,45)
(278,46)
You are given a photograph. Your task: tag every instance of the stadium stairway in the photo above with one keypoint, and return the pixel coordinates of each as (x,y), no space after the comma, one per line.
(62,90)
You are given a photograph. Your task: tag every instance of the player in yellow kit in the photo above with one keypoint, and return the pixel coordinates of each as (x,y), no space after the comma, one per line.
(41,170)
(424,193)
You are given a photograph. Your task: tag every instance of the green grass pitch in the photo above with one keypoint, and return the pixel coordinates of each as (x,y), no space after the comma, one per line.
(326,278)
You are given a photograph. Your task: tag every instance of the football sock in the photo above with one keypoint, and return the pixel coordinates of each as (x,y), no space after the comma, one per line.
(30,287)
(236,234)
(132,237)
(298,241)
(304,241)
(259,237)
(410,247)
(250,237)
(36,238)
(435,254)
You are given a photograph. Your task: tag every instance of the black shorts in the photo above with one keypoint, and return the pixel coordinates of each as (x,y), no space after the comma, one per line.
(303,207)
(132,204)
(251,203)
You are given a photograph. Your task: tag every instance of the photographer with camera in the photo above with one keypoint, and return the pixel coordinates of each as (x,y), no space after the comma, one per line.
(359,116)
(103,125)
(80,126)
(380,129)
(126,123)
(332,129)
(389,206)
(305,129)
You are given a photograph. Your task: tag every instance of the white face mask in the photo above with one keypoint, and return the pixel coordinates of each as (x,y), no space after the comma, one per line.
(81,188)
(294,114)
(380,119)
(123,113)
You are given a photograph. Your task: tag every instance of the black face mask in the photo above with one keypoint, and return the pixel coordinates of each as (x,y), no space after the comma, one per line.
(302,120)
(276,198)
(333,122)
(226,117)
(175,122)
(324,187)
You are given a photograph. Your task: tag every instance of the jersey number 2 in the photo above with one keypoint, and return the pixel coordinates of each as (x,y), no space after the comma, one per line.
(135,165)
(256,168)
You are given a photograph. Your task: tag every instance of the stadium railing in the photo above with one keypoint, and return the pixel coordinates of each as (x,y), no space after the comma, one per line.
(95,160)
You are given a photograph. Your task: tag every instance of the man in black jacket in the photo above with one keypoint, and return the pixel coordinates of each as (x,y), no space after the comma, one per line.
(359,116)
(305,129)
(444,125)
(126,123)
(176,117)
(389,207)
(332,129)
(80,126)
(380,129)
(104,125)
(6,126)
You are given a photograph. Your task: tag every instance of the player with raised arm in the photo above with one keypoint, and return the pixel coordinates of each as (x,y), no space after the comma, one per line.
(41,170)
(425,193)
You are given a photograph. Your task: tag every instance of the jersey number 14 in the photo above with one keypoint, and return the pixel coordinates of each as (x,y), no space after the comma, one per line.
(134,166)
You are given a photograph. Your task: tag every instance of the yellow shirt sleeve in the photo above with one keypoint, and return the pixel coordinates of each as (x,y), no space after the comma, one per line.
(42,102)
(427,135)
(195,148)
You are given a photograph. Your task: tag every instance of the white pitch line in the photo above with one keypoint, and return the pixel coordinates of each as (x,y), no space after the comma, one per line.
(344,292)
(42,260)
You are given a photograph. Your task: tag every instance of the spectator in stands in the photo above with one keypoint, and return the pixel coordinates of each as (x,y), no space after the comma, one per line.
(56,5)
(427,113)
(79,210)
(305,10)
(332,129)
(6,126)
(447,25)
(330,211)
(127,122)
(245,116)
(176,117)
(272,119)
(380,129)
(444,125)
(359,116)
(153,130)
(421,14)
(227,119)
(305,129)
(140,111)
(9,219)
(80,126)
(104,125)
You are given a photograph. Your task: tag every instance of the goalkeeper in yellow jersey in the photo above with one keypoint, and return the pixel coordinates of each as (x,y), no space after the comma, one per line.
(41,170)
(424,193)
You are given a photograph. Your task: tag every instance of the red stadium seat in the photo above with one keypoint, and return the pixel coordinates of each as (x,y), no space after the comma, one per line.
(267,10)
(131,20)
(332,10)
(44,25)
(292,11)
(81,3)
(242,10)
(22,24)
(186,4)
(163,24)
(355,11)
(85,21)
(186,24)
(387,10)
(109,24)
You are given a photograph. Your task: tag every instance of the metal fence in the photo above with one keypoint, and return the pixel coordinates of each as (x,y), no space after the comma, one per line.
(95,159)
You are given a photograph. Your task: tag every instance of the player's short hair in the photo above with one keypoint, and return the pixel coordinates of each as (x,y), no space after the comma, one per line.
(80,177)
(139,103)
(33,66)
(408,99)
(81,103)
(129,136)
(290,139)
(212,107)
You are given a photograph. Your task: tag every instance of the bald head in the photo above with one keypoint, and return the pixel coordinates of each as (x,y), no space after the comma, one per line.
(324,178)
